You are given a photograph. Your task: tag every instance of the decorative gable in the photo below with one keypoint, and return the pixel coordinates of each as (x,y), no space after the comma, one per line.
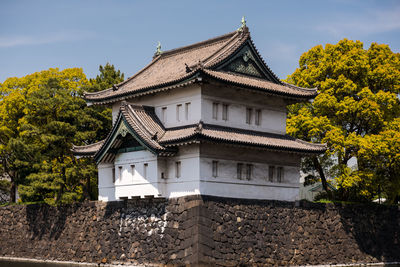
(246,61)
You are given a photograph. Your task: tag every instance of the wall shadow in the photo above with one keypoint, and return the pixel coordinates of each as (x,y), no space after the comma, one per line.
(376,228)
(44,220)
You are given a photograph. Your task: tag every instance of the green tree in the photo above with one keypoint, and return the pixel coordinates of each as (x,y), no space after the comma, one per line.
(106,79)
(357,101)
(43,114)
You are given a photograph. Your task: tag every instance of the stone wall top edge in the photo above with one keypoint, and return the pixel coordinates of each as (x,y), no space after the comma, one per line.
(302,204)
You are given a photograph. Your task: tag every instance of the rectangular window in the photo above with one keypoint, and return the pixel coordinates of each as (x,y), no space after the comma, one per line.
(120,173)
(249,115)
(133,171)
(164,114)
(177,169)
(215,111)
(178,112)
(145,166)
(225,112)
(249,171)
(187,110)
(271,171)
(113,175)
(239,170)
(215,168)
(258,117)
(279,174)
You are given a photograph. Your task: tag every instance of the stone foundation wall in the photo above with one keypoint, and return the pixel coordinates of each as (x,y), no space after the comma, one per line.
(202,231)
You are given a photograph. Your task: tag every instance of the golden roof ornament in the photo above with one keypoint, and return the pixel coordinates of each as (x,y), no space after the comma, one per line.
(158,49)
(243,25)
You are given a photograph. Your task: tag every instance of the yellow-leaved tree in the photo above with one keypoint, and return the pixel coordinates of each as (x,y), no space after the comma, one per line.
(356,114)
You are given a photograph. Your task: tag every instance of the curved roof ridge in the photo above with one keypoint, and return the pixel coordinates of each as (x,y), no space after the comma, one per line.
(315,144)
(89,145)
(299,88)
(226,50)
(198,44)
(259,84)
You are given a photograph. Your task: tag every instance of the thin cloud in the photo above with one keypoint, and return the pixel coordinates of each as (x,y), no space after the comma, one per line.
(27,40)
(373,21)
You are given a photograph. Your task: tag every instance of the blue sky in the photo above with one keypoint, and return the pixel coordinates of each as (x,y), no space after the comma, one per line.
(37,35)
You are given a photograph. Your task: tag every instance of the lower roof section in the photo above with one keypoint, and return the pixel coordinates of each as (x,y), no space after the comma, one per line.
(228,135)
(145,130)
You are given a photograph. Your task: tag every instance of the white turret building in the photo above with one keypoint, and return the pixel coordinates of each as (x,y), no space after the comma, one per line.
(208,119)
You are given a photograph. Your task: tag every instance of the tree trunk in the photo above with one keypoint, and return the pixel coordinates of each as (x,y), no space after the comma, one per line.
(321,173)
(87,193)
(13,197)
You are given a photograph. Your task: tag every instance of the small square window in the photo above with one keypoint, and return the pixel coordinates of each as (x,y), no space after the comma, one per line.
(215,111)
(225,112)
(279,174)
(249,115)
(187,110)
(215,168)
(145,167)
(164,114)
(113,175)
(271,171)
(239,170)
(257,119)
(120,172)
(249,171)
(178,112)
(177,169)
(132,171)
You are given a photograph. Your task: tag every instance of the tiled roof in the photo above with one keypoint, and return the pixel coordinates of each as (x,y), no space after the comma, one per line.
(222,134)
(167,68)
(144,123)
(262,84)
(183,65)
(88,150)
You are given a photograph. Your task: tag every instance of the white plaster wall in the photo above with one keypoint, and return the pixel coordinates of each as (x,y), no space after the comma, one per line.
(188,182)
(226,184)
(170,99)
(105,183)
(273,109)
(134,184)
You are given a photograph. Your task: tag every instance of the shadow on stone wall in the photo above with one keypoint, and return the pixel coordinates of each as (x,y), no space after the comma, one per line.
(376,228)
(44,220)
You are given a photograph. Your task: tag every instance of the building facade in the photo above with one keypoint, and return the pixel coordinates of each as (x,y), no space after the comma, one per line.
(208,118)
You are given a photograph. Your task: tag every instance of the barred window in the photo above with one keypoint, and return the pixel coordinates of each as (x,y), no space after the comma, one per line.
(271,171)
(164,114)
(145,166)
(279,174)
(239,171)
(187,110)
(215,168)
(225,112)
(177,169)
(249,171)
(258,117)
(249,115)
(215,111)
(178,112)
(113,175)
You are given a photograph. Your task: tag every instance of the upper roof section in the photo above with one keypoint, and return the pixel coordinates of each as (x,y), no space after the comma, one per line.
(231,58)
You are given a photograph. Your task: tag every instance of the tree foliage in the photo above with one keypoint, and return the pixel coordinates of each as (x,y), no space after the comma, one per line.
(43,114)
(356,114)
